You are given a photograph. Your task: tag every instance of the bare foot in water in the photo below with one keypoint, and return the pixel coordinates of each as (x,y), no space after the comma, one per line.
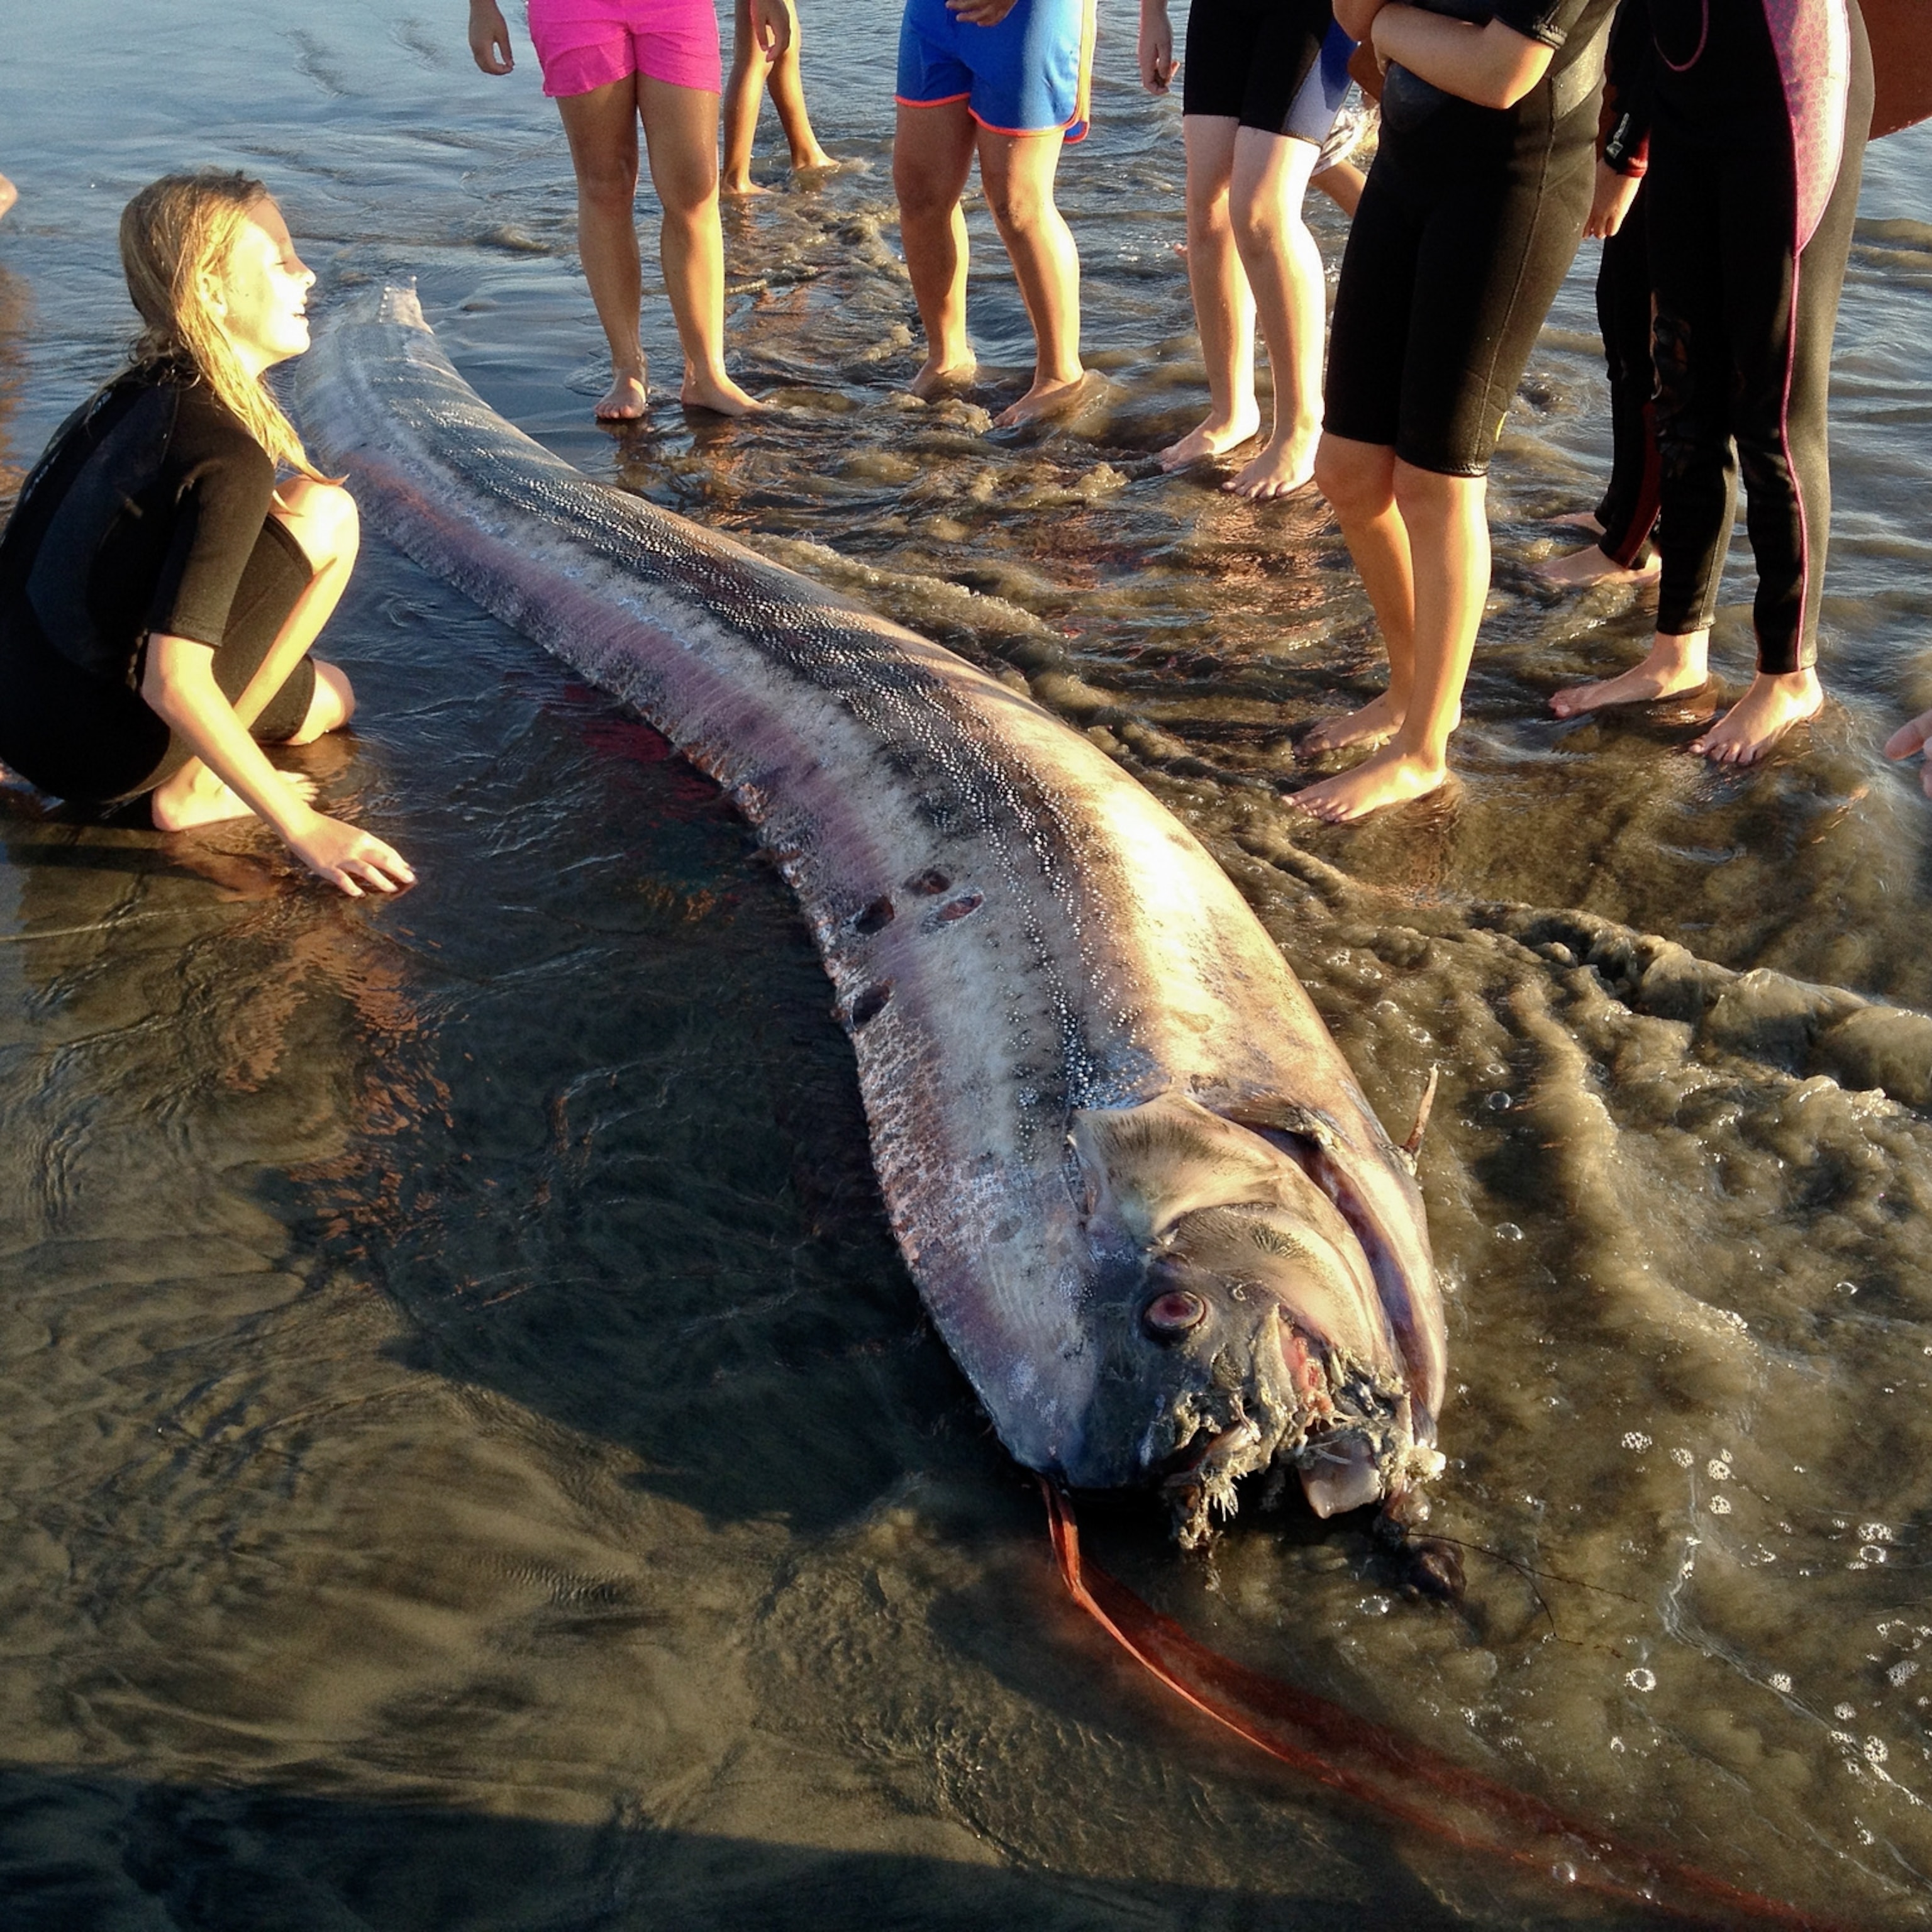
(1583,568)
(1214,436)
(624,401)
(1774,703)
(1390,776)
(1580,519)
(719,394)
(1285,466)
(816,160)
(936,378)
(1045,400)
(1675,666)
(743,185)
(195,796)
(1374,724)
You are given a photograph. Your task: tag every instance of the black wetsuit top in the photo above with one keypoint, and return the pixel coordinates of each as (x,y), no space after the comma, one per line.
(1469,222)
(147,512)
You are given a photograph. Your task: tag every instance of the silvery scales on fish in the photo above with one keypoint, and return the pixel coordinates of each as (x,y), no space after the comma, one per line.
(1141,1193)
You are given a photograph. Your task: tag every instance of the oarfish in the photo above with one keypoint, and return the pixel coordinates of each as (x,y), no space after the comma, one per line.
(1138,1188)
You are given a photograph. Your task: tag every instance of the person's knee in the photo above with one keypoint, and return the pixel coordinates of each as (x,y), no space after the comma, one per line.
(330,707)
(609,186)
(1426,497)
(923,195)
(1356,478)
(1018,207)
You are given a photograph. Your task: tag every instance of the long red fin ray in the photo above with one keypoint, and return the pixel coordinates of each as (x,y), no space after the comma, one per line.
(1399,1777)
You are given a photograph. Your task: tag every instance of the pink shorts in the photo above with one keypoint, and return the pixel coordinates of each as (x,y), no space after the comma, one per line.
(585,44)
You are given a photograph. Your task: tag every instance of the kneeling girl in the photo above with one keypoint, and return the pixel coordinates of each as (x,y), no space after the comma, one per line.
(158,593)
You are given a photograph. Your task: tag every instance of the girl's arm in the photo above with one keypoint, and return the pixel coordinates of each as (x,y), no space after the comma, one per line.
(177,686)
(1357,18)
(489,38)
(1158,64)
(1491,66)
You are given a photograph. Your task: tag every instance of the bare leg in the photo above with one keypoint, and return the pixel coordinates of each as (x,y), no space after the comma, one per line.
(1284,269)
(1449,548)
(1017,172)
(1342,184)
(788,98)
(322,518)
(932,155)
(1675,667)
(681,139)
(1358,479)
(1224,308)
(602,127)
(744,94)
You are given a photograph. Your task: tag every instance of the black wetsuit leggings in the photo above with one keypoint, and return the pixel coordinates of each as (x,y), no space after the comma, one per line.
(1628,510)
(1744,365)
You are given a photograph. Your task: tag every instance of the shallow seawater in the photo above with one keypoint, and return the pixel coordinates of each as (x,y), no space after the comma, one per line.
(470,1455)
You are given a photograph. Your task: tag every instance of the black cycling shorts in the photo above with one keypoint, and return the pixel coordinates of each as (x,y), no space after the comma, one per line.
(1260,62)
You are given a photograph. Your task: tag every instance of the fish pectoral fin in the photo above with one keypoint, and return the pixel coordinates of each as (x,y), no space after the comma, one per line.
(1411,1148)
(1148,1166)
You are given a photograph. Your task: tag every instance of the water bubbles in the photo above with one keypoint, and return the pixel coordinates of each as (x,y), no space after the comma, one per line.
(1641,1679)
(1563,1872)
(1870,1554)
(1718,1472)
(1509,1231)
(1499,1102)
(1875,1753)
(1617,1745)
(1779,1680)
(1720,1505)
(1682,1458)
(1865,1837)
(1875,1532)
(1635,1438)
(1846,1287)
(1732,1315)
(1844,1712)
(1374,1607)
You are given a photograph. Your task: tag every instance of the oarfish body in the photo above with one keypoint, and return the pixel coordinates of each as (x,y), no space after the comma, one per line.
(1138,1188)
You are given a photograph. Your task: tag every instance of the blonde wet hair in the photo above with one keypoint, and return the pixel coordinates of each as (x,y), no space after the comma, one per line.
(176,236)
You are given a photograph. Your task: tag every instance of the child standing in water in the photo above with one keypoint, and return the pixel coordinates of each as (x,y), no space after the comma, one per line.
(1007,80)
(610,64)
(1262,85)
(1761,112)
(753,70)
(1471,217)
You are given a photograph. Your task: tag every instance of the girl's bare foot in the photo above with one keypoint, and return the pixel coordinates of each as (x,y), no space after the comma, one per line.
(1580,519)
(1285,466)
(742,185)
(717,393)
(1583,568)
(1774,703)
(816,157)
(937,377)
(1675,667)
(1390,776)
(195,796)
(624,400)
(1052,397)
(1214,436)
(1374,724)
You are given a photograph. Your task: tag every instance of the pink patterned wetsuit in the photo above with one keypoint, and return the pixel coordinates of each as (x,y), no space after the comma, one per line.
(1761,108)
(585,44)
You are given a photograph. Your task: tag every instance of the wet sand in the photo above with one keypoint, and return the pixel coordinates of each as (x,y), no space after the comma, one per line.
(471,1456)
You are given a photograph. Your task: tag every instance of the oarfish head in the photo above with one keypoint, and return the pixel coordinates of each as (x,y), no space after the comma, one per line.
(1239,1320)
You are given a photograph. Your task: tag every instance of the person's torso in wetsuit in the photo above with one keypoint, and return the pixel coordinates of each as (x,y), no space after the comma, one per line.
(1715,77)
(141,517)
(1433,129)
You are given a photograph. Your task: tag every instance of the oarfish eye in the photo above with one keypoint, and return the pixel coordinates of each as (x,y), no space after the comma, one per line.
(1170,1315)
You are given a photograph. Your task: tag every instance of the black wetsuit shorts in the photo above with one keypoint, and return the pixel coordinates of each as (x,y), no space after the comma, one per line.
(1281,66)
(148,512)
(1469,224)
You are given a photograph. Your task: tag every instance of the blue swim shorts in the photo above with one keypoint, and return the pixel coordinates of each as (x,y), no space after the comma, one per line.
(1029,75)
